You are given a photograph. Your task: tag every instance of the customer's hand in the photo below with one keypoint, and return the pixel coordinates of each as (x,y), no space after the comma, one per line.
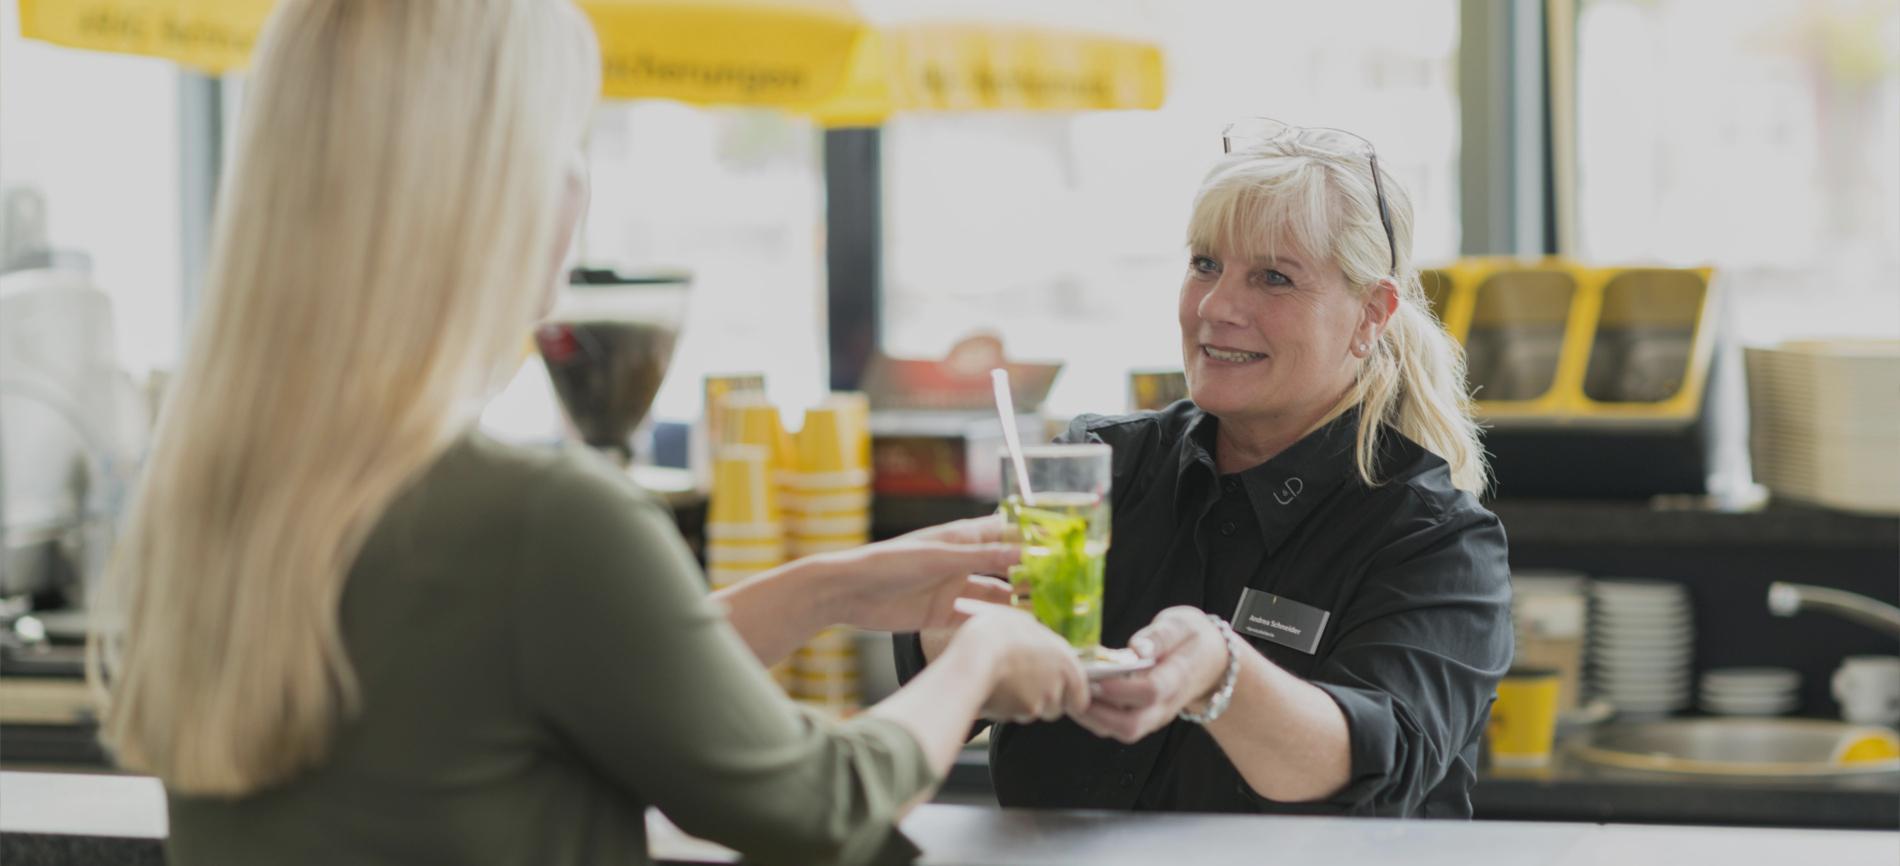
(989,529)
(1190,655)
(1037,675)
(913,583)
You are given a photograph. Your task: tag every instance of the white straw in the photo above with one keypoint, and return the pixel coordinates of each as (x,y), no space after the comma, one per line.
(1006,409)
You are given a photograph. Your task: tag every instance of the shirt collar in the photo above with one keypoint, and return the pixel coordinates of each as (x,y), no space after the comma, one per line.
(1283,490)
(1195,458)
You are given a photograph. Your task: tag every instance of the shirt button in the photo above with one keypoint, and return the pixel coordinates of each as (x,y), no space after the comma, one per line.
(1227,528)
(1231,485)
(1128,779)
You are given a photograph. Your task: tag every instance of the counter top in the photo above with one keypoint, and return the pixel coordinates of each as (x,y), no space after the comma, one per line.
(120,819)
(1571,789)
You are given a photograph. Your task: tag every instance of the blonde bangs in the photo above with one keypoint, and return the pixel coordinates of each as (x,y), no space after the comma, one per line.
(1253,208)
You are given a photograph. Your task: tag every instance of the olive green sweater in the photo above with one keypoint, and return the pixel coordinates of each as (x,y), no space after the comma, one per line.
(539,663)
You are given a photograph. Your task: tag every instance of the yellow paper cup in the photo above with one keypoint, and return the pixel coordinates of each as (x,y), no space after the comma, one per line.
(855,407)
(837,639)
(839,689)
(753,420)
(744,557)
(823,664)
(835,438)
(800,546)
(854,525)
(718,390)
(824,504)
(1524,720)
(744,492)
(830,483)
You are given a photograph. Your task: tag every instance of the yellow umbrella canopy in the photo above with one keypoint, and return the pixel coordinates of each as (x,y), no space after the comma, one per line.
(816,57)
(973,66)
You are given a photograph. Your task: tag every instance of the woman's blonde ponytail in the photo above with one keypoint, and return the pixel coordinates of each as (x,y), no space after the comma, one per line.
(1414,382)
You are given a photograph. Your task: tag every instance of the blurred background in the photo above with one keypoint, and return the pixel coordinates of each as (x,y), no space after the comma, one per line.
(1705,191)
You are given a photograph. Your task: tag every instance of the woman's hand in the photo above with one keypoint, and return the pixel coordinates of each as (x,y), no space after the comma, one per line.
(1190,655)
(1037,675)
(913,582)
(989,529)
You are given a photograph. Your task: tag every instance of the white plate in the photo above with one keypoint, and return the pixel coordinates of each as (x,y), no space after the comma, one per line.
(1644,637)
(1638,615)
(1770,709)
(1673,595)
(1642,692)
(1657,700)
(1637,673)
(1607,633)
(1634,649)
(1632,709)
(1775,700)
(1607,613)
(1679,697)
(1744,694)
(1641,678)
(1637,588)
(1675,663)
(1647,608)
(1752,677)
(1642,647)
(1624,672)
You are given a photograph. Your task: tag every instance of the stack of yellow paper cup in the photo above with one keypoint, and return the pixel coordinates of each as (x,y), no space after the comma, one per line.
(825,672)
(744,535)
(744,532)
(828,495)
(828,508)
(751,419)
(711,431)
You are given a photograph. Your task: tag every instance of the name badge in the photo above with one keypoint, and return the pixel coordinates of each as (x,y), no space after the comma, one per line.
(1282,621)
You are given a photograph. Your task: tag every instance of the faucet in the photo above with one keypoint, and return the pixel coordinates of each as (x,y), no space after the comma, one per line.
(1787,599)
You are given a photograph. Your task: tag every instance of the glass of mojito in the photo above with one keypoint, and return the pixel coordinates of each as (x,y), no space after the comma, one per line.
(1064,527)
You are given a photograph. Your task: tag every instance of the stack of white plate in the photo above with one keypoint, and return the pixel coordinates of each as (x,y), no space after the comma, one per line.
(1642,640)
(1822,422)
(1750,691)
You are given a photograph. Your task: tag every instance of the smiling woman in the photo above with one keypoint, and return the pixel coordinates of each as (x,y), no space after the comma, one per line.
(1299,545)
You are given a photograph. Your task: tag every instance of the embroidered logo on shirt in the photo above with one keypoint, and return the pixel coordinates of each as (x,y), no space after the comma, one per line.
(1289,491)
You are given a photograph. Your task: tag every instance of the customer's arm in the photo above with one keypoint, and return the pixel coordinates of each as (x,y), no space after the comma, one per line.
(630,664)
(897,585)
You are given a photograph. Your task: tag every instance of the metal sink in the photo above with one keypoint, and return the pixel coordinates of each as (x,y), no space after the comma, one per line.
(1744,747)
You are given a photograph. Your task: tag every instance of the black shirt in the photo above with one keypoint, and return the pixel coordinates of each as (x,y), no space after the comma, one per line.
(1412,571)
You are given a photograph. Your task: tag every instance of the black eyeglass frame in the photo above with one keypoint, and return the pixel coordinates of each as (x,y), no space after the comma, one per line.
(1288,131)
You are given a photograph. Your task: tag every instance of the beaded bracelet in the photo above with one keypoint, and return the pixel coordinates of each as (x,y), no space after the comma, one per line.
(1223,695)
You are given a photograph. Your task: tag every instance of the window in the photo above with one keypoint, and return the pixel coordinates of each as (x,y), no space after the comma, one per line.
(1064,233)
(734,197)
(1756,137)
(95,137)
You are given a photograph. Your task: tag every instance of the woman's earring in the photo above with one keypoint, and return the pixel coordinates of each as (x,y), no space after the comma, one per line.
(1363,350)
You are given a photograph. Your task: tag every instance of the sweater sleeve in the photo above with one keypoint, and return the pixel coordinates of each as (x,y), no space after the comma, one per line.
(622,654)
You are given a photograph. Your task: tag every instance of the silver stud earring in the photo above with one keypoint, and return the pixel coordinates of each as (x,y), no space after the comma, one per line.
(1362,348)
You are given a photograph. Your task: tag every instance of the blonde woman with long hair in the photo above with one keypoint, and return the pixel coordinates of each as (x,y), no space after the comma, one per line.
(1299,545)
(350,629)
